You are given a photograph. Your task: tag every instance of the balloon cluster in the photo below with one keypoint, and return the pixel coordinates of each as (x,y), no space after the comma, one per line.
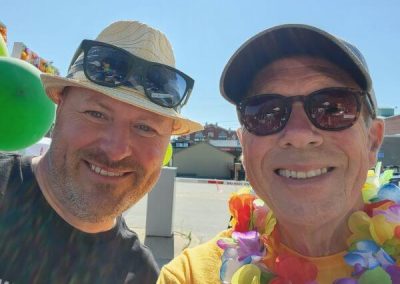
(40,63)
(3,46)
(26,113)
(3,31)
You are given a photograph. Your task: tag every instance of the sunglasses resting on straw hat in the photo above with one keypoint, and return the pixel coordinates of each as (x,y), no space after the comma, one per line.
(132,63)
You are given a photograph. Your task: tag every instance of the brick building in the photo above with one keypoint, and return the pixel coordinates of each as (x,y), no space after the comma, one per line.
(211,132)
(392,125)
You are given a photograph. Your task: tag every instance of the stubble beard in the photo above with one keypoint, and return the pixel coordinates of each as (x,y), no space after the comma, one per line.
(98,204)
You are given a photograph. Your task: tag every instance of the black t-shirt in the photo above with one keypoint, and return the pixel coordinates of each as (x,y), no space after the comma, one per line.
(38,246)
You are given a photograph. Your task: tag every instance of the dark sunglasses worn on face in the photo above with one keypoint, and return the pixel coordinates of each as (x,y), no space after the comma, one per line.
(111,66)
(331,109)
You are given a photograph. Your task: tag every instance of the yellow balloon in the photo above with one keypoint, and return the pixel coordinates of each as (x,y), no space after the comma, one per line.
(168,155)
(3,47)
(248,273)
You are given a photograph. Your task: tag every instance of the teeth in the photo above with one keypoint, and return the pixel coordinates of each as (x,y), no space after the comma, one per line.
(102,172)
(302,175)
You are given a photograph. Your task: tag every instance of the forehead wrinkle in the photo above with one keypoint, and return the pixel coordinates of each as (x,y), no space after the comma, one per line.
(299,71)
(335,73)
(96,99)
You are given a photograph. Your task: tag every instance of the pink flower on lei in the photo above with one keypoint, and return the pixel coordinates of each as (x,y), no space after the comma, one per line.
(240,249)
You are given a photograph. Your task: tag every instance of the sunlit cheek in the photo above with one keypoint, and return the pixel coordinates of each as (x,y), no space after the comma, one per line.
(256,153)
(357,174)
(252,160)
(80,132)
(249,149)
(246,163)
(151,155)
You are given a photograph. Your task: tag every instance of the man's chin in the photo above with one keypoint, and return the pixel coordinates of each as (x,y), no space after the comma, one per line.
(95,214)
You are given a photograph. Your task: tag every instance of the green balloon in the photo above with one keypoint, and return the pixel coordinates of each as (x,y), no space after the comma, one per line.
(3,47)
(26,113)
(168,155)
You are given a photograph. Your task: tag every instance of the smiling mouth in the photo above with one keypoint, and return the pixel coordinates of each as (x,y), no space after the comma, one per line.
(102,172)
(302,175)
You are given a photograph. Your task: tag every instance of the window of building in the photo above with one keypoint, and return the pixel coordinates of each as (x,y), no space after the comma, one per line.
(199,136)
(222,135)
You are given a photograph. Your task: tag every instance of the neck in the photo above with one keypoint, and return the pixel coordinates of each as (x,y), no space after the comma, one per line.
(40,168)
(322,239)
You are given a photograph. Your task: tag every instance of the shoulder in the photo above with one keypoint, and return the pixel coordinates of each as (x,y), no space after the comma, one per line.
(122,249)
(7,160)
(10,169)
(207,250)
(139,255)
(200,264)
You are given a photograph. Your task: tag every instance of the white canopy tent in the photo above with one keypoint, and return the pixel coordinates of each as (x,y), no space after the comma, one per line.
(38,148)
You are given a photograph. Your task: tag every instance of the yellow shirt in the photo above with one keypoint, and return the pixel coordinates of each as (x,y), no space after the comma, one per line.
(201,265)
(330,267)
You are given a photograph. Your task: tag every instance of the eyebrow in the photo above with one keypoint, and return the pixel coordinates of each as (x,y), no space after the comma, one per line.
(157,119)
(92,101)
(104,106)
(336,73)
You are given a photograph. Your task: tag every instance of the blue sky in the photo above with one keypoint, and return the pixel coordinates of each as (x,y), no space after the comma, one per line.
(205,33)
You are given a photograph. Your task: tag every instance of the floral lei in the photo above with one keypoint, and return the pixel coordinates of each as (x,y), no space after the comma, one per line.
(374,246)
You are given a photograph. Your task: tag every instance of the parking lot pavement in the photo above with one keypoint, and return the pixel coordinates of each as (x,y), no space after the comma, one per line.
(200,212)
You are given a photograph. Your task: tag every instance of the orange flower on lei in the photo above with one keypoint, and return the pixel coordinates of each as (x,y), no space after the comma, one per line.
(241,208)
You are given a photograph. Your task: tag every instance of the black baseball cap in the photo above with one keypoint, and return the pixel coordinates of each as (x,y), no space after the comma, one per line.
(288,40)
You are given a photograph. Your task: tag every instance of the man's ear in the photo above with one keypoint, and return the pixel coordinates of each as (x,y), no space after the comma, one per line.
(375,135)
(60,100)
(239,133)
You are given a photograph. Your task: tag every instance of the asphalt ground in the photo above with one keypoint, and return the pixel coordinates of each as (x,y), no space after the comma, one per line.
(200,212)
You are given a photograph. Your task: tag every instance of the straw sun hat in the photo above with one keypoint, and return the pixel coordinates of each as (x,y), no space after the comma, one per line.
(142,41)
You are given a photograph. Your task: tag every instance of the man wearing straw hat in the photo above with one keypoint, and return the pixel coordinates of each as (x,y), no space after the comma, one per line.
(60,214)
(309,134)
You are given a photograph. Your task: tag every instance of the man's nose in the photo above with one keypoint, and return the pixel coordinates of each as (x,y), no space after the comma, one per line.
(299,132)
(117,143)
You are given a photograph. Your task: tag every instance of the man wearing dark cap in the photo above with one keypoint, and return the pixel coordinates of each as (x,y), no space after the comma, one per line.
(309,135)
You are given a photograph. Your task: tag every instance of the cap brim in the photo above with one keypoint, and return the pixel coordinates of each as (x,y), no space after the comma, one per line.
(54,85)
(288,40)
